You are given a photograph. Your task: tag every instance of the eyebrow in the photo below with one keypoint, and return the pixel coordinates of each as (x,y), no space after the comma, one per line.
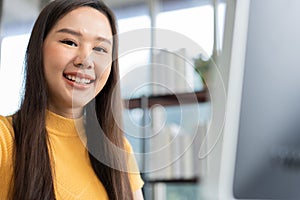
(78,34)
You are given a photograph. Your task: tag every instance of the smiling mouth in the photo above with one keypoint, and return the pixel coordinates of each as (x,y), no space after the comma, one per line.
(78,80)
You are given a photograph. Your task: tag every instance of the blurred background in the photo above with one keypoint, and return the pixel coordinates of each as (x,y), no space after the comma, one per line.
(166,99)
(183,63)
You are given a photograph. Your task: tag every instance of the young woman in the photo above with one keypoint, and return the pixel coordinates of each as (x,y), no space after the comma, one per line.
(65,141)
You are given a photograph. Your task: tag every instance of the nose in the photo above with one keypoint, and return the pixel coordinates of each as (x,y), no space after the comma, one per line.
(83,58)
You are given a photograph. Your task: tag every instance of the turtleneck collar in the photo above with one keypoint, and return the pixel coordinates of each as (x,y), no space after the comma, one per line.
(62,126)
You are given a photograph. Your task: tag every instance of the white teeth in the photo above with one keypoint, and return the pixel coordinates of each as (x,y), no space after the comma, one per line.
(78,80)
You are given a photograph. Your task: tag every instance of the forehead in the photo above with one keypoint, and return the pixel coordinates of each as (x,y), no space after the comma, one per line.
(86,20)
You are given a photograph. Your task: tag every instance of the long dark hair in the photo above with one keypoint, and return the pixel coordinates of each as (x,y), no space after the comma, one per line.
(33,178)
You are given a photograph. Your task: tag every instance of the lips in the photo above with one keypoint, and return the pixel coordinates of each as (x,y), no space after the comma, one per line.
(79,78)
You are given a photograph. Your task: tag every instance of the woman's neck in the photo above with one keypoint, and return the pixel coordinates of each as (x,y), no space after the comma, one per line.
(72,113)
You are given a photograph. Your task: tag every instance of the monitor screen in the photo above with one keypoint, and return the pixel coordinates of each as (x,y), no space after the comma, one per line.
(265,150)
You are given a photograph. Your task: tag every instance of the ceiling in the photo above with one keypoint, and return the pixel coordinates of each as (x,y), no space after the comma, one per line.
(22,10)
(121,3)
(17,13)
(19,10)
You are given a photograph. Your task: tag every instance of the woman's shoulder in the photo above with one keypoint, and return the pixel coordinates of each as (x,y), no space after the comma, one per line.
(5,123)
(6,154)
(6,144)
(133,169)
(127,145)
(6,118)
(6,129)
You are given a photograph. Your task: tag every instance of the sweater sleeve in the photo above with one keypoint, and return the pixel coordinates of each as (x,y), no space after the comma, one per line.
(133,170)
(6,152)
(6,141)
(3,140)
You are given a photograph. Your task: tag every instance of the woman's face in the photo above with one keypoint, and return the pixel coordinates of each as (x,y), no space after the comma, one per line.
(77,56)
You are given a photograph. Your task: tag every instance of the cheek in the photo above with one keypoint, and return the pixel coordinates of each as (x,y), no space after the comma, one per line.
(54,57)
(50,64)
(103,77)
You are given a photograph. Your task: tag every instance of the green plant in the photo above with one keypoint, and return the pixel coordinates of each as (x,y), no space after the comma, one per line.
(202,66)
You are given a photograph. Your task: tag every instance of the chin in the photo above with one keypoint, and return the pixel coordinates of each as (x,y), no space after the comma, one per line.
(81,99)
(80,103)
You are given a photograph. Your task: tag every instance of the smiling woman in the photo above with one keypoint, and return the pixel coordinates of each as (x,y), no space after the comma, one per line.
(81,45)
(65,141)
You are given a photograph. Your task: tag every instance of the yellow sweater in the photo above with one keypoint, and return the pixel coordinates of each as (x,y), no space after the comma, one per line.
(74,177)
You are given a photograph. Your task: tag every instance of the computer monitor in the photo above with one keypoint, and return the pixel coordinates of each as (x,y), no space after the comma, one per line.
(261,142)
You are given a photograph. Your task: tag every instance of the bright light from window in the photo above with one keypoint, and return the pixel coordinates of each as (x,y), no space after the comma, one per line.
(132,61)
(135,58)
(11,72)
(221,15)
(132,23)
(195,23)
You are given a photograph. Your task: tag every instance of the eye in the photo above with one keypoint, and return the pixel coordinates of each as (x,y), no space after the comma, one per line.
(69,42)
(100,49)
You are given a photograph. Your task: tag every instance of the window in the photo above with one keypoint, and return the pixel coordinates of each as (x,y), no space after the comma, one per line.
(195,23)
(133,60)
(11,72)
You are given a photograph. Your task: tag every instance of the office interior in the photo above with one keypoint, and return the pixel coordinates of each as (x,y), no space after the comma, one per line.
(201,81)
